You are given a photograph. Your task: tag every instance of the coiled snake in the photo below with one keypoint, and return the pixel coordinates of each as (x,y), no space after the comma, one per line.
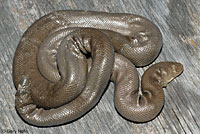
(65,60)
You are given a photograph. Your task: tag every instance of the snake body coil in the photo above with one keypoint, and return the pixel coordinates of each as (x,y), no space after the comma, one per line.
(65,60)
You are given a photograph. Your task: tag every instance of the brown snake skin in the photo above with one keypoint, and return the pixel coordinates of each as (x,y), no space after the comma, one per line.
(65,60)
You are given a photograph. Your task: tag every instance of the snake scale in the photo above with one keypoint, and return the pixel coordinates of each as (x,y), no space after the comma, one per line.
(65,60)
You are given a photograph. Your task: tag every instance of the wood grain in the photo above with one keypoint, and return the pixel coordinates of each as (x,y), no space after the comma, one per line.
(179,23)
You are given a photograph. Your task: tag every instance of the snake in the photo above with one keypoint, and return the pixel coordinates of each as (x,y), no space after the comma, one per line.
(65,60)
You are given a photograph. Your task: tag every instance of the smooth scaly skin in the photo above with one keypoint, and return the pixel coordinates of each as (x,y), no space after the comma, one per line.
(143,105)
(140,42)
(102,54)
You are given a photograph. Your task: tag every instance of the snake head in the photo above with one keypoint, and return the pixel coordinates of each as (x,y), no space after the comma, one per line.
(165,72)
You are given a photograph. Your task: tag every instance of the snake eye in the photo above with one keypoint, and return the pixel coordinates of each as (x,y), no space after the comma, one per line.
(158,73)
(173,67)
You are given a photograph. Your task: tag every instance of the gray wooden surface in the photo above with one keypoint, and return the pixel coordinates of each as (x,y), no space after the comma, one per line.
(179,22)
